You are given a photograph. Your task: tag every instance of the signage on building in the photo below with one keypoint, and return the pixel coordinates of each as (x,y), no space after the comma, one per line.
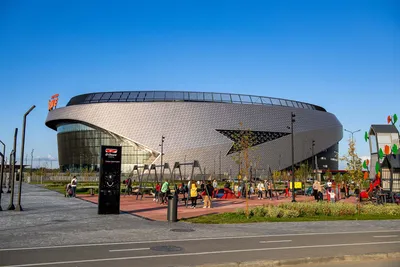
(53,102)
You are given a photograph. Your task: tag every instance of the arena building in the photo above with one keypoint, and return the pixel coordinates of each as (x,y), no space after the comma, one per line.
(199,126)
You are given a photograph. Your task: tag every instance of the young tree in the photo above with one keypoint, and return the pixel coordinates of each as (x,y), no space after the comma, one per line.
(353,164)
(244,141)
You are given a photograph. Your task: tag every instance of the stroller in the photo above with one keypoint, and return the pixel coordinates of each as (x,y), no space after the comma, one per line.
(68,191)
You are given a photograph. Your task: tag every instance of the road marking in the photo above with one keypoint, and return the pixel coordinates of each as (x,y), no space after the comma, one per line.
(128,249)
(274,241)
(379,236)
(193,239)
(198,253)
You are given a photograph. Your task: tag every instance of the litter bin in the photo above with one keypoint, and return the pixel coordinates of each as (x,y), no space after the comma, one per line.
(172,212)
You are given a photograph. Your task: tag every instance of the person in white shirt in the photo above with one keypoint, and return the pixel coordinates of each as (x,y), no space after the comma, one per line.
(260,188)
(74,183)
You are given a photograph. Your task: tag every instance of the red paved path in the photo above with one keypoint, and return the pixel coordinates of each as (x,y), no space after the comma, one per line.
(149,209)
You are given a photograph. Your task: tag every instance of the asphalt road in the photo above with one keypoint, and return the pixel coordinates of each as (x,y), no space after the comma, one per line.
(205,250)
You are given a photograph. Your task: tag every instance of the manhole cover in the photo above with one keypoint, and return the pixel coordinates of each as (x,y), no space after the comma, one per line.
(182,230)
(167,248)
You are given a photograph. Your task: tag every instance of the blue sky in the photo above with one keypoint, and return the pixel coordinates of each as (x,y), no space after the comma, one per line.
(342,55)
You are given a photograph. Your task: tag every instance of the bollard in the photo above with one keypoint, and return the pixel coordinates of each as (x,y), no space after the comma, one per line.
(172,212)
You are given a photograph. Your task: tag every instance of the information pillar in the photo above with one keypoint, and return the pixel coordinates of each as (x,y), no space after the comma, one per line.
(110,180)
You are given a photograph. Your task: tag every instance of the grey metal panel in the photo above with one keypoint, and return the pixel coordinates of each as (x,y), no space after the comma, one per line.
(189,128)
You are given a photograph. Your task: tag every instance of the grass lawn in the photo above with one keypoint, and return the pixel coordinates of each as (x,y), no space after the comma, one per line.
(230,218)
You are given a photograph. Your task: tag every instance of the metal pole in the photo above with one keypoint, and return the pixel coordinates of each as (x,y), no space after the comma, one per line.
(184,169)
(2,168)
(9,174)
(220,164)
(162,154)
(293,180)
(1,182)
(11,206)
(21,168)
(31,163)
(352,133)
(313,159)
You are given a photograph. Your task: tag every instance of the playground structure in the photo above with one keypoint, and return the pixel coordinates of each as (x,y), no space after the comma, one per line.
(384,143)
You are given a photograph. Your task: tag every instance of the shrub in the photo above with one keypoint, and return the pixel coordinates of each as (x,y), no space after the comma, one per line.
(274,212)
(290,214)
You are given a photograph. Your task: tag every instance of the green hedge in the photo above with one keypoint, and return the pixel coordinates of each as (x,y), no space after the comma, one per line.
(312,209)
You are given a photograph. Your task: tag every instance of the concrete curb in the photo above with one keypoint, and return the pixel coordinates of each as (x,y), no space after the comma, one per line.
(291,262)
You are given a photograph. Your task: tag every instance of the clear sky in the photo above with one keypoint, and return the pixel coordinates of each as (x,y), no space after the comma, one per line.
(342,55)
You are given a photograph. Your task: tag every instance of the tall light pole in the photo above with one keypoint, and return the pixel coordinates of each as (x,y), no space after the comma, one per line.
(313,159)
(292,117)
(220,163)
(162,154)
(352,133)
(2,168)
(21,167)
(1,184)
(12,172)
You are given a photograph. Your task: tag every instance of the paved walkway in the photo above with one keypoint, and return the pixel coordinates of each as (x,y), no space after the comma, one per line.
(149,209)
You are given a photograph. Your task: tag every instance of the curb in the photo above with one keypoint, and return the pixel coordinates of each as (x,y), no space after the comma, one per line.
(308,260)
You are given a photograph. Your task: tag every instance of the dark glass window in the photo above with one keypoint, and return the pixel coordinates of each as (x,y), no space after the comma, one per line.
(275,102)
(105,97)
(226,98)
(149,97)
(217,97)
(115,96)
(96,97)
(266,101)
(170,96)
(133,96)
(159,96)
(295,104)
(89,97)
(283,102)
(141,96)
(178,96)
(193,96)
(236,99)
(208,97)
(289,103)
(245,98)
(256,100)
(124,96)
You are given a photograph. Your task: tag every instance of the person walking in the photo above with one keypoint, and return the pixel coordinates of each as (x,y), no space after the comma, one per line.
(320,195)
(74,183)
(193,194)
(164,190)
(261,189)
(315,189)
(269,190)
(157,193)
(207,195)
(128,189)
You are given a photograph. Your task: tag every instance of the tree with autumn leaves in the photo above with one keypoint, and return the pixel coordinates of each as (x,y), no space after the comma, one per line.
(353,164)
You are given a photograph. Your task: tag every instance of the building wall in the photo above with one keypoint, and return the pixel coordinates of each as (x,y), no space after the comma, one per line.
(190,129)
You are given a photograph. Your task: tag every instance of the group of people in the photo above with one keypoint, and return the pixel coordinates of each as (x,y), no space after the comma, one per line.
(71,188)
(190,191)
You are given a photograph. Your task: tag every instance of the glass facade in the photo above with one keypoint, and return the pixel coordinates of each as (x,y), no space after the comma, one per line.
(181,96)
(79,148)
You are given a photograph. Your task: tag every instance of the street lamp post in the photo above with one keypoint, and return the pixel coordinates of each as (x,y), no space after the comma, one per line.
(352,133)
(2,168)
(293,180)
(21,167)
(12,173)
(162,154)
(313,159)
(1,184)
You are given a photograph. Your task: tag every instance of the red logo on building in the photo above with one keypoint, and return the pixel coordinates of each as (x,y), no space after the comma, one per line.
(111,150)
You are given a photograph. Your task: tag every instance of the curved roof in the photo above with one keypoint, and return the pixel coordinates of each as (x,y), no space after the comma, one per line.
(185,96)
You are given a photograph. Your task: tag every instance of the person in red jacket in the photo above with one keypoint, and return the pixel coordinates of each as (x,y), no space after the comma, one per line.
(157,193)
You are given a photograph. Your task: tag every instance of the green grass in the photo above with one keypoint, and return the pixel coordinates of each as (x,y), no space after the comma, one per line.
(231,218)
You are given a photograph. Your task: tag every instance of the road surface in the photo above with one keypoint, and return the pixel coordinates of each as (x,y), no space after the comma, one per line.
(185,252)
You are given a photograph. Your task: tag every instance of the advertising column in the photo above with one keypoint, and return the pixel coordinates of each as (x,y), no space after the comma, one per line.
(110,180)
